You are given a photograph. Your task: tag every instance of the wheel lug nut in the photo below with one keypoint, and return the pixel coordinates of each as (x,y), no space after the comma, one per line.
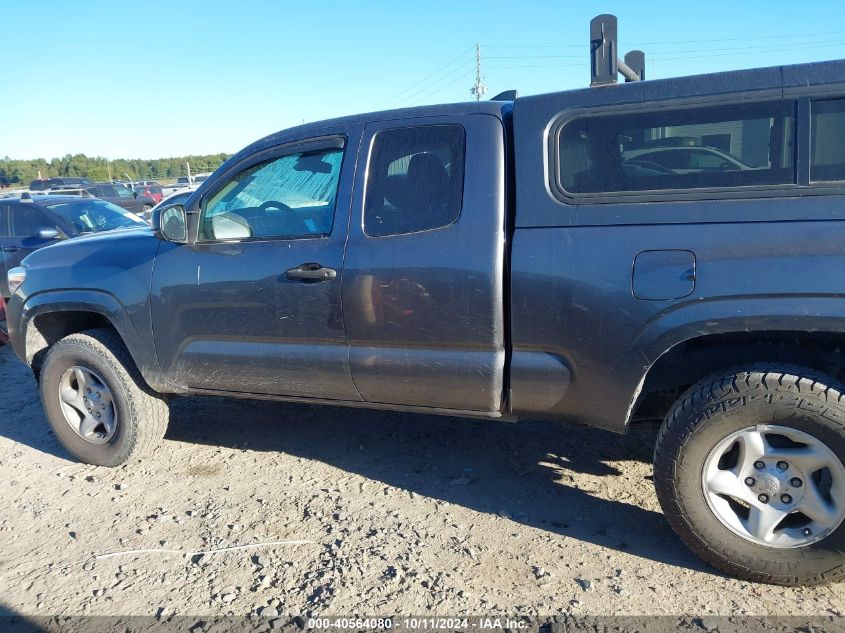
(786,498)
(98,414)
(783,466)
(88,390)
(750,481)
(764,498)
(806,531)
(759,465)
(795,482)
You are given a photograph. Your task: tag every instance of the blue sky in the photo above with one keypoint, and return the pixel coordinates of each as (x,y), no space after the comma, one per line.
(153,79)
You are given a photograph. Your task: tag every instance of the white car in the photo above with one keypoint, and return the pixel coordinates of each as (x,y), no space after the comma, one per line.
(685,159)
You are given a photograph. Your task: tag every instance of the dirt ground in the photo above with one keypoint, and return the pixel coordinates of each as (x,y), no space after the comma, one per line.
(399,514)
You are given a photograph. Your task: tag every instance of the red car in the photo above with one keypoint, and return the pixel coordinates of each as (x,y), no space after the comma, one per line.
(148,188)
(4,336)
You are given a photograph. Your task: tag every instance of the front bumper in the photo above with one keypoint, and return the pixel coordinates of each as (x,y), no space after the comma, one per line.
(17,337)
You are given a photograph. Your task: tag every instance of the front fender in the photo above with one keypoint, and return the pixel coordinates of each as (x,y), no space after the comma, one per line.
(90,301)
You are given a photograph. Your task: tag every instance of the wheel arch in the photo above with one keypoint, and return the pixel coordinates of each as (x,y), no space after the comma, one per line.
(49,316)
(688,344)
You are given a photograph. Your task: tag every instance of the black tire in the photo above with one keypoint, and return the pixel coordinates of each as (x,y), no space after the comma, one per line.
(710,411)
(141,414)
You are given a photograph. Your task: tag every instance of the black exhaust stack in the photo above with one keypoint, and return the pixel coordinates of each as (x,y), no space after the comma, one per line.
(605,65)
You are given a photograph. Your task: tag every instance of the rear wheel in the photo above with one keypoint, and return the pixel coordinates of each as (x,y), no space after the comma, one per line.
(96,401)
(749,472)
(145,211)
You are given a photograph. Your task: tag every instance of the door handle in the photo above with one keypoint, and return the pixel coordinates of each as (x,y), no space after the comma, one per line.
(311,272)
(10,249)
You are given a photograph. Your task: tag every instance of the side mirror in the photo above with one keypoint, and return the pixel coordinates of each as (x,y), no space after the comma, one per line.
(134,194)
(47,233)
(170,224)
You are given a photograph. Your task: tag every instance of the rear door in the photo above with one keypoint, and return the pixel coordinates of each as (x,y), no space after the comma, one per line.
(423,272)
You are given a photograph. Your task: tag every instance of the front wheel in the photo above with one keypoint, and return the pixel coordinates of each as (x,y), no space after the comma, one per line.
(96,401)
(749,471)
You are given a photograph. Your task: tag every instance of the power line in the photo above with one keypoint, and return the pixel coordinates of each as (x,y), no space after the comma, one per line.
(658,43)
(399,95)
(661,55)
(442,88)
(412,96)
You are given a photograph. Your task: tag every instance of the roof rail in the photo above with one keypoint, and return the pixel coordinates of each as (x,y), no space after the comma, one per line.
(605,65)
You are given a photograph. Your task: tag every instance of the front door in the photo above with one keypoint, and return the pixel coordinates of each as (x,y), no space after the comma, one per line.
(423,285)
(255,304)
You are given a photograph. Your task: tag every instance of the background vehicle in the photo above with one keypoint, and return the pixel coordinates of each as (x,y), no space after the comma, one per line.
(174,198)
(147,188)
(181,183)
(122,196)
(50,183)
(497,260)
(27,224)
(684,160)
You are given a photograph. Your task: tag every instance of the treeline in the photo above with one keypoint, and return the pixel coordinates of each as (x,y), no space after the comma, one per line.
(21,172)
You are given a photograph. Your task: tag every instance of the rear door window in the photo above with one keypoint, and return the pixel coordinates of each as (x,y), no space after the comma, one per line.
(415,179)
(827,141)
(677,149)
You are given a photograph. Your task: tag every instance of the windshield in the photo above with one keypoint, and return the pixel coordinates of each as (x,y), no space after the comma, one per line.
(92,216)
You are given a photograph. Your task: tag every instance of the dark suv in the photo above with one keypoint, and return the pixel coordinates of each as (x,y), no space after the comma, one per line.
(53,183)
(519,258)
(122,196)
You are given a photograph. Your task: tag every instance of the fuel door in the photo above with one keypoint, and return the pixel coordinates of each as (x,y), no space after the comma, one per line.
(663,275)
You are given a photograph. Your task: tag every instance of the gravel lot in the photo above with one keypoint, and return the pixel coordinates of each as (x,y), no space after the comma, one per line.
(402,514)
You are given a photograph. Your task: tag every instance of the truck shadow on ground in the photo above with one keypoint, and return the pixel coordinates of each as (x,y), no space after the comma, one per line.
(553,477)
(564,479)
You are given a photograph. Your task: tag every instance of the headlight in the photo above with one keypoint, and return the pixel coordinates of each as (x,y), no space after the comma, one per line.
(16,277)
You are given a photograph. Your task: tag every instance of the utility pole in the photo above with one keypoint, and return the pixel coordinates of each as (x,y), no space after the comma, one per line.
(479,89)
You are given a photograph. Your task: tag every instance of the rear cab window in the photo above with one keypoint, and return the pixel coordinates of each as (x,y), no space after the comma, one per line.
(415,179)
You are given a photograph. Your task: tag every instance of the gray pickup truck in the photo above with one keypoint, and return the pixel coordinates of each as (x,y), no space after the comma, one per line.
(669,249)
